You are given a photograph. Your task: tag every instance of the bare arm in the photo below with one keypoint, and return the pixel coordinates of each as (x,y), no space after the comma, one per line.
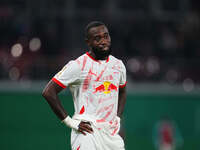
(121,101)
(50,93)
(121,105)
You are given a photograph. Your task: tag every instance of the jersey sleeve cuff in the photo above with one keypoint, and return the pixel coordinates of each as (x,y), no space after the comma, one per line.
(123,85)
(59,83)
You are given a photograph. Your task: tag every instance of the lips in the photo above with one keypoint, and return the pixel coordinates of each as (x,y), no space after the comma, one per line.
(104,48)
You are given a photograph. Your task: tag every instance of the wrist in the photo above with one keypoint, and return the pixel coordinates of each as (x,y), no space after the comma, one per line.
(72,123)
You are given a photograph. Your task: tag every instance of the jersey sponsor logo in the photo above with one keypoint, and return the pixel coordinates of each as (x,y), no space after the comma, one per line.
(106,87)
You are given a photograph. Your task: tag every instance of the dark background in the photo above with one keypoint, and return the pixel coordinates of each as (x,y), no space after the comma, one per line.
(158,40)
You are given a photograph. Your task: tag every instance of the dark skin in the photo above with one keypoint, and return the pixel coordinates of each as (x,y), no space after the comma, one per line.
(98,37)
(50,93)
(121,105)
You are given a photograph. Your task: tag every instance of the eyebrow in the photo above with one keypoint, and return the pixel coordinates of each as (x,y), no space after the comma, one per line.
(95,35)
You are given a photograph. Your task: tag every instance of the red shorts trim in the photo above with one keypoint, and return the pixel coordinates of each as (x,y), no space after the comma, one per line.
(59,83)
(121,86)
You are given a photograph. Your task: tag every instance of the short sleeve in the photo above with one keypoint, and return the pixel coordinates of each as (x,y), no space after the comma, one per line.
(122,76)
(68,75)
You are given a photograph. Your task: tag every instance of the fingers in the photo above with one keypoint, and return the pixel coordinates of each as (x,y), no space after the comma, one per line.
(88,126)
(85,127)
(82,132)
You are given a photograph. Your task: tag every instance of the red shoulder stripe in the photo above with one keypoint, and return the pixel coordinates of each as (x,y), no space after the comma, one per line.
(121,86)
(59,83)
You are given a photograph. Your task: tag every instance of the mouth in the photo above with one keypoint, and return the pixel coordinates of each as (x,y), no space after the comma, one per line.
(102,51)
(104,48)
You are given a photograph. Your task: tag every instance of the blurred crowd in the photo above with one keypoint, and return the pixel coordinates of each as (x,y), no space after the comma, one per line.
(158,40)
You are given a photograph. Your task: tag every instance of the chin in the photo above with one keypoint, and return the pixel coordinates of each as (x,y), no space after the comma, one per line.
(102,53)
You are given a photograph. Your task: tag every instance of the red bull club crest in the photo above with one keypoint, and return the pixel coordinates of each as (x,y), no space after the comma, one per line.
(106,87)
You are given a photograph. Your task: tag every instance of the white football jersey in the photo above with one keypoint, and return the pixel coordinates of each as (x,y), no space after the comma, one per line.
(94,85)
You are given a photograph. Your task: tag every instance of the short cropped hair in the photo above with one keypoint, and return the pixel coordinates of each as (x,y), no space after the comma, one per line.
(91,25)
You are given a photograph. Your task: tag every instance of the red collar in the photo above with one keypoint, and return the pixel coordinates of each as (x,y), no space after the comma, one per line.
(94,58)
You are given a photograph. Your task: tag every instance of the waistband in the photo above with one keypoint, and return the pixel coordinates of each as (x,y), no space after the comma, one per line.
(85,117)
(109,128)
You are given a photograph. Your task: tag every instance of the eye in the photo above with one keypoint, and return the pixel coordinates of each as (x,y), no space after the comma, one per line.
(97,38)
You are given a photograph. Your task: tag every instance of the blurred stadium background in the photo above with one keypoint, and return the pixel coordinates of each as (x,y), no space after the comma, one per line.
(158,40)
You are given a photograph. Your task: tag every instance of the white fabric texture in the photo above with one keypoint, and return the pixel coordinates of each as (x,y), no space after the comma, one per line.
(94,85)
(69,73)
(100,139)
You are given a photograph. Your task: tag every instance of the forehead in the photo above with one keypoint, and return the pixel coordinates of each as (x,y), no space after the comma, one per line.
(98,30)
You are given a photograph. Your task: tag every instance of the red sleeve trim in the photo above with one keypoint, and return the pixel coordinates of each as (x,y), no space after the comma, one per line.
(121,86)
(59,83)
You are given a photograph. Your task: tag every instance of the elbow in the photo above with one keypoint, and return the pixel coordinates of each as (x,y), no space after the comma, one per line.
(48,94)
(45,93)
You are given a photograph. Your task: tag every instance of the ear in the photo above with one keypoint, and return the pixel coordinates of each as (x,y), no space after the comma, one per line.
(87,41)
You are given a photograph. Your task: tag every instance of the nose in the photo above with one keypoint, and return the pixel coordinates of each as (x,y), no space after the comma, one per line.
(104,41)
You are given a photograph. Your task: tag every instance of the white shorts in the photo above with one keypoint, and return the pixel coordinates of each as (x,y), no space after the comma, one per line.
(100,139)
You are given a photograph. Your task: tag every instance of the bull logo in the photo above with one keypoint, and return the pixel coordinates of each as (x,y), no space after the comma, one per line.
(106,87)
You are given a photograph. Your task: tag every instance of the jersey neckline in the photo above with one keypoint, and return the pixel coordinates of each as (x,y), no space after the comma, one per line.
(87,53)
